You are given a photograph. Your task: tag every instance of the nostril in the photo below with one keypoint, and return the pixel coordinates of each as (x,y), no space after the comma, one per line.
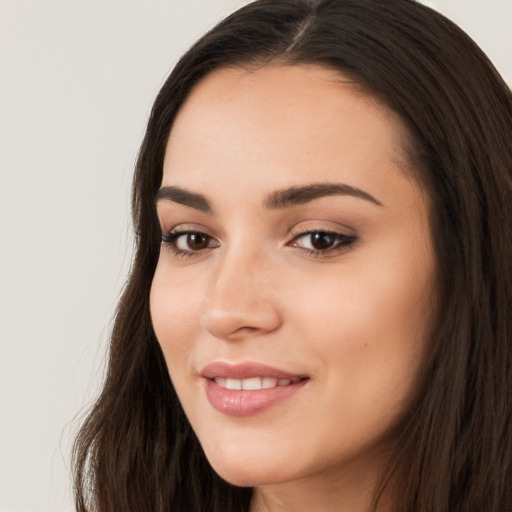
(249,316)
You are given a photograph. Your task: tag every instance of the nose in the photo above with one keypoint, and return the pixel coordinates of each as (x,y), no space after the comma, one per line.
(241,301)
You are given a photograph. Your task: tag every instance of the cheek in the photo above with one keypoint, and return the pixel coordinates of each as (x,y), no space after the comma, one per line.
(174,311)
(364,305)
(369,322)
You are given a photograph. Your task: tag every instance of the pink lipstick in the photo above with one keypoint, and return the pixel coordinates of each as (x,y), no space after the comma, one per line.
(248,388)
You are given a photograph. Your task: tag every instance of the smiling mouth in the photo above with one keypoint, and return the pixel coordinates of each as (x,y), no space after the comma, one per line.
(253,383)
(246,389)
(249,374)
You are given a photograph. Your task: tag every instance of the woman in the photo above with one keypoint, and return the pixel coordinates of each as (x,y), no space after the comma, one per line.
(318,316)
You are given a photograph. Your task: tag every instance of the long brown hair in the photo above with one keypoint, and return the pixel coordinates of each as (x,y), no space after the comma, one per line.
(136,450)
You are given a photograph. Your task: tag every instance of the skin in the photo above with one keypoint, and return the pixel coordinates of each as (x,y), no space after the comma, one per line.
(355,319)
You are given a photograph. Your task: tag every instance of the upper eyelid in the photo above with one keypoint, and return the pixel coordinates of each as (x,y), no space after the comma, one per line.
(352,237)
(298,229)
(186,227)
(316,226)
(313,231)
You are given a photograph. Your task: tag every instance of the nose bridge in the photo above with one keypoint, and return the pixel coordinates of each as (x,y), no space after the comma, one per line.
(239,297)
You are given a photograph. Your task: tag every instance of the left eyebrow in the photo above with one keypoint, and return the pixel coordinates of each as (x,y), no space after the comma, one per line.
(292,196)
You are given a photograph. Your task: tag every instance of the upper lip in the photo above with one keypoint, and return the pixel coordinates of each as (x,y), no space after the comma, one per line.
(246,370)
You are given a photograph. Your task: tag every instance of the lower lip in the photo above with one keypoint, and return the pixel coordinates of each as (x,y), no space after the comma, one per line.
(239,402)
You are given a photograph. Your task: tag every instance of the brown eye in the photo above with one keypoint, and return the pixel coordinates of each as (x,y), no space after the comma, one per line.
(196,241)
(322,241)
(189,242)
(325,243)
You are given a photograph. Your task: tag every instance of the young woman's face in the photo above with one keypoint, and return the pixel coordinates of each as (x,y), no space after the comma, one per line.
(293,294)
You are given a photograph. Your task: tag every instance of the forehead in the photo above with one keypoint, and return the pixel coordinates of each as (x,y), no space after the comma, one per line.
(307,122)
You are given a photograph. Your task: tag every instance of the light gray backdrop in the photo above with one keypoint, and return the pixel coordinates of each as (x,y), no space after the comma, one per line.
(77,79)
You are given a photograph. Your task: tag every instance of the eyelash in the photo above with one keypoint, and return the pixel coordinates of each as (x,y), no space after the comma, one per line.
(171,240)
(341,243)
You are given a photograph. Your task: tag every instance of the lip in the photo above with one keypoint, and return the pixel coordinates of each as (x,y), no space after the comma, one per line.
(248,402)
(246,370)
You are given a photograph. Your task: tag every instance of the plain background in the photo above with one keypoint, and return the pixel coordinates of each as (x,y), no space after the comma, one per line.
(77,80)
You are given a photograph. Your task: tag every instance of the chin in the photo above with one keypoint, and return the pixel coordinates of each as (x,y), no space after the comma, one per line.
(243,472)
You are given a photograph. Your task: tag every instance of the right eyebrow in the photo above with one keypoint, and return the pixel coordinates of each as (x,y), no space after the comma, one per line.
(182,196)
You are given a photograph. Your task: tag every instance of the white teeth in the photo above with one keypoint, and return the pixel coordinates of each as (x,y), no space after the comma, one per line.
(233,384)
(253,383)
(221,382)
(268,382)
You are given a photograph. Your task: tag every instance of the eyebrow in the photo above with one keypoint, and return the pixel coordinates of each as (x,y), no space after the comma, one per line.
(303,194)
(182,196)
(283,198)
